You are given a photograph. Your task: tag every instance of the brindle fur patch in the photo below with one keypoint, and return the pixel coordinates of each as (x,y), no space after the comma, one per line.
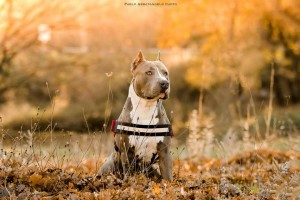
(125,115)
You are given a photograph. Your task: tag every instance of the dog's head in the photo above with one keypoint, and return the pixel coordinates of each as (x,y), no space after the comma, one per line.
(150,78)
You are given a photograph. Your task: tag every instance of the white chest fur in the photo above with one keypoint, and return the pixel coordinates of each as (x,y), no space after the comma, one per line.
(145,147)
(143,112)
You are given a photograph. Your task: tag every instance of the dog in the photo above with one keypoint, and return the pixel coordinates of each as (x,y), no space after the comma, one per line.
(143,131)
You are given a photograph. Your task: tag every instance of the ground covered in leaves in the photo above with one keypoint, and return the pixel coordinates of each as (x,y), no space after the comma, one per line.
(260,174)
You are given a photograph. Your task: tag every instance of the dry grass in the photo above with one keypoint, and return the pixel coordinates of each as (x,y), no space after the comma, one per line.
(262,174)
(36,166)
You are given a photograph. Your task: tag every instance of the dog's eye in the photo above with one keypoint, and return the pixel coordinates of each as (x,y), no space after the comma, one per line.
(149,73)
(166,73)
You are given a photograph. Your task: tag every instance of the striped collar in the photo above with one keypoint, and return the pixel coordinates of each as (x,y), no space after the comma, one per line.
(141,130)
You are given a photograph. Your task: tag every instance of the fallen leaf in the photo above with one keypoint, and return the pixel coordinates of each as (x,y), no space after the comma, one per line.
(156,189)
(36,179)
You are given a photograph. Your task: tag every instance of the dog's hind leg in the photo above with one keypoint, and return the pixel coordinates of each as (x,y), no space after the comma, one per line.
(108,166)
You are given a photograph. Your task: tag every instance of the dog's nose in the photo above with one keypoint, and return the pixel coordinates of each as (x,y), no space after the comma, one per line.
(164,85)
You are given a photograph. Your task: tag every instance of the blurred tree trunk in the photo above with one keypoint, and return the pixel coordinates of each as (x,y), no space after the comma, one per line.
(281,39)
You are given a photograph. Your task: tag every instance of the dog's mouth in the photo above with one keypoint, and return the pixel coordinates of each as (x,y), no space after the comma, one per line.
(160,96)
(152,95)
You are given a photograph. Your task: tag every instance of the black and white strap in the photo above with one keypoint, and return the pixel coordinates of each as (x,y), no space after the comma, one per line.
(140,129)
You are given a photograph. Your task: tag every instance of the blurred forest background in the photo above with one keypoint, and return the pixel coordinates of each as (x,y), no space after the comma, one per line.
(69,62)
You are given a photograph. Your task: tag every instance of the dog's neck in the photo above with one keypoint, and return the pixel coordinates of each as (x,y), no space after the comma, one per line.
(142,111)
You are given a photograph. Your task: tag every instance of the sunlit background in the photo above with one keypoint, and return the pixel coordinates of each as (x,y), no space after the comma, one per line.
(65,65)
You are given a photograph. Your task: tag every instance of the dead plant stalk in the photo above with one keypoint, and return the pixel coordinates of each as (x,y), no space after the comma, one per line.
(270,108)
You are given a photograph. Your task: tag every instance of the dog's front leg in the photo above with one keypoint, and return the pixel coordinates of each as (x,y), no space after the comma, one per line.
(125,164)
(165,160)
(127,157)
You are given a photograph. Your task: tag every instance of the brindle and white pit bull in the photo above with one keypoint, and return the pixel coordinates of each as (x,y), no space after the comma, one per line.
(132,153)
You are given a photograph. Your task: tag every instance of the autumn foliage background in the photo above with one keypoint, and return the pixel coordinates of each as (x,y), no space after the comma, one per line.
(235,96)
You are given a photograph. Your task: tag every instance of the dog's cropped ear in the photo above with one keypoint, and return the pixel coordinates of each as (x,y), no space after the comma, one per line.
(140,58)
(158,56)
